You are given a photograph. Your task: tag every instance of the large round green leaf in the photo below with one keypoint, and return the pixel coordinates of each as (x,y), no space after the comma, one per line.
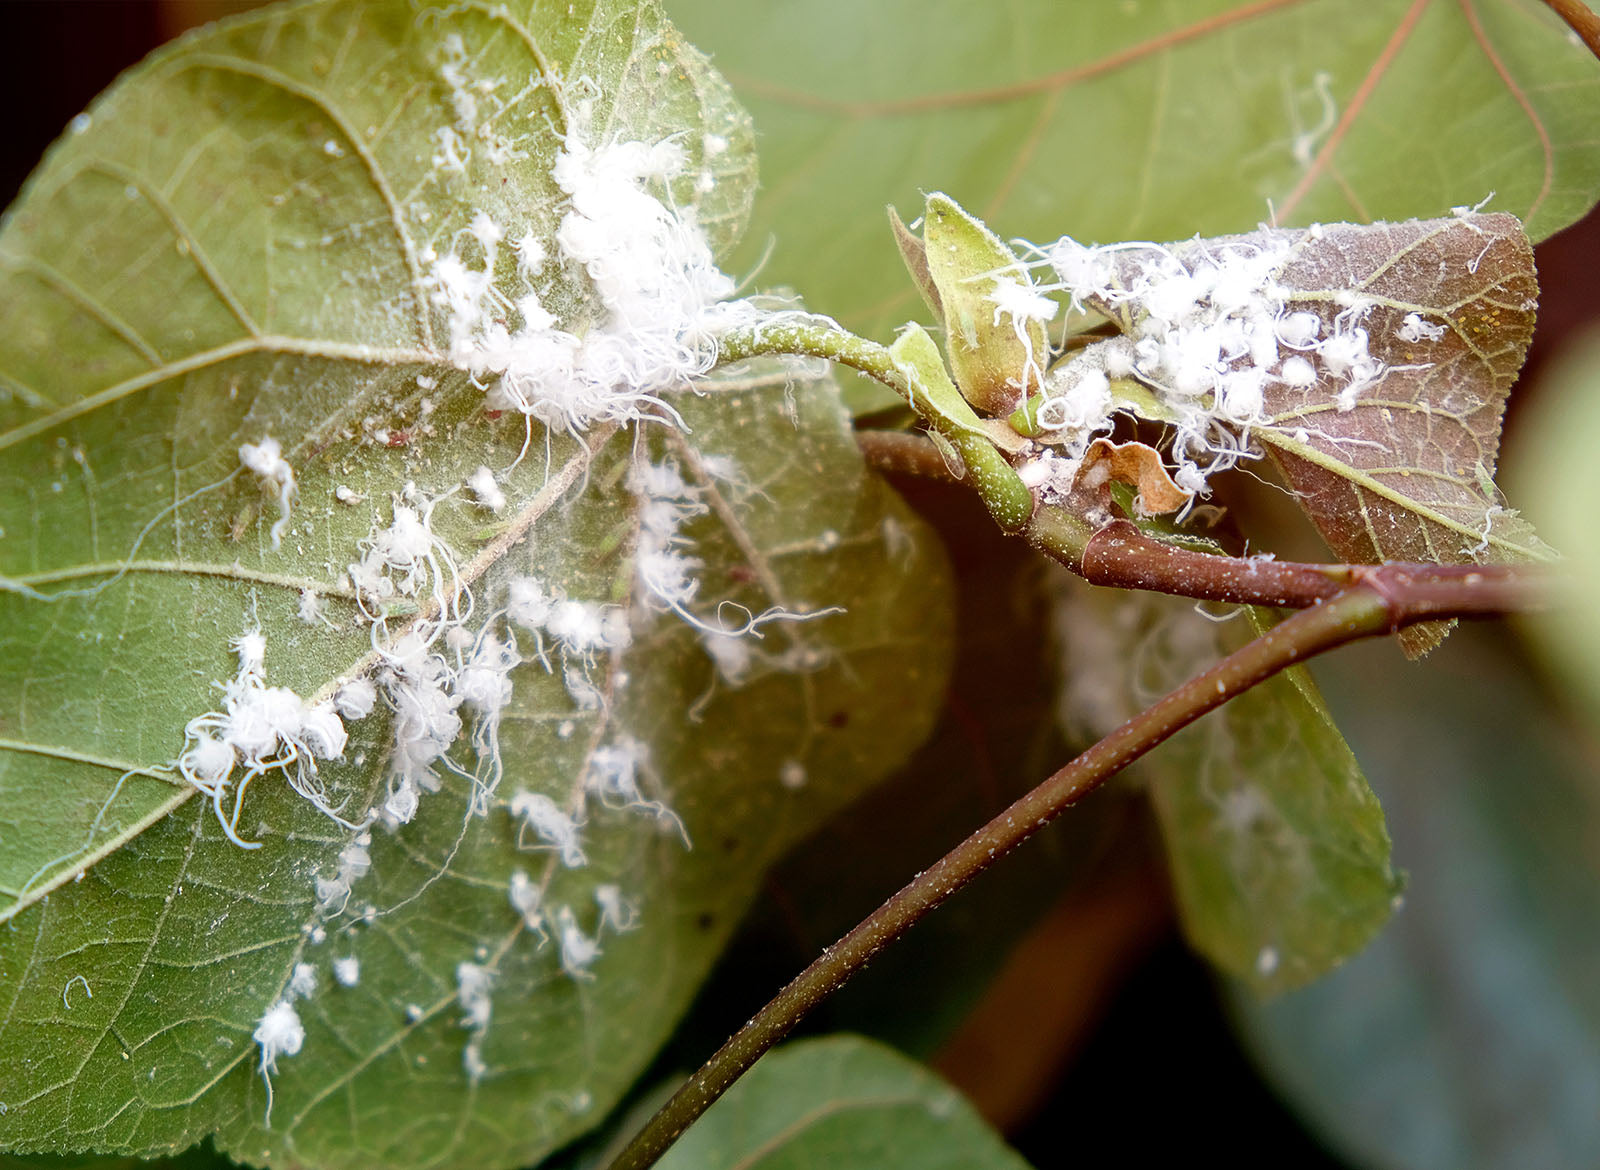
(1112,122)
(233,244)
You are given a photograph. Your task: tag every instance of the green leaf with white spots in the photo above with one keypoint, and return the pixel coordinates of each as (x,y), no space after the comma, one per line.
(1110,121)
(845,1102)
(1277,846)
(232,244)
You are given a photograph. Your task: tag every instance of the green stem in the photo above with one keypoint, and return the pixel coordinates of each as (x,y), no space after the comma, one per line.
(988,471)
(815,337)
(1379,604)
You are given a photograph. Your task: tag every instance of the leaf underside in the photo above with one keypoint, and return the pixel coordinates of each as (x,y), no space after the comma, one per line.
(1277,846)
(228,247)
(1404,472)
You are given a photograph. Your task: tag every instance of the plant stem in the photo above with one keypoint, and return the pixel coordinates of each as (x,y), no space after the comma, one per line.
(1580,19)
(815,337)
(1383,600)
(1120,555)
(904,453)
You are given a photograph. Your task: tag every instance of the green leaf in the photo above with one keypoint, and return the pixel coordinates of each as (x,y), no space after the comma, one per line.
(229,247)
(1550,467)
(1278,850)
(995,355)
(1468,1036)
(1111,123)
(845,1102)
(917,357)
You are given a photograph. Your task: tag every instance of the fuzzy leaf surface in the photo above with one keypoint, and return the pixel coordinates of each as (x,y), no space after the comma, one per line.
(1277,846)
(229,246)
(841,1101)
(1404,471)
(1147,122)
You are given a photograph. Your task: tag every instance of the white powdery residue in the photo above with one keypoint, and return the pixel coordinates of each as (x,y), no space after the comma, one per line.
(266,460)
(554,828)
(347,971)
(489,493)
(309,609)
(260,729)
(578,950)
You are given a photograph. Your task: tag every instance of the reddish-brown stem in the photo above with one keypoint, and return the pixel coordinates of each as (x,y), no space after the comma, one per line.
(1120,555)
(1383,600)
(1580,19)
(904,453)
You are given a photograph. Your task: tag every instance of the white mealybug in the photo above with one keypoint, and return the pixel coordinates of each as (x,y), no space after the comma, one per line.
(553,827)
(279,1033)
(303,981)
(578,950)
(489,493)
(526,897)
(272,469)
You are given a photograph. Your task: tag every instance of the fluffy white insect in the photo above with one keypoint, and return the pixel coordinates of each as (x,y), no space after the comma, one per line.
(303,981)
(260,729)
(1414,329)
(578,950)
(266,460)
(526,898)
(652,273)
(356,698)
(347,971)
(489,493)
(553,827)
(472,993)
(279,1033)
(1210,327)
(615,913)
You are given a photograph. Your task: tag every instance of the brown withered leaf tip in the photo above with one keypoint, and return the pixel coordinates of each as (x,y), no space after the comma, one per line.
(1136,464)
